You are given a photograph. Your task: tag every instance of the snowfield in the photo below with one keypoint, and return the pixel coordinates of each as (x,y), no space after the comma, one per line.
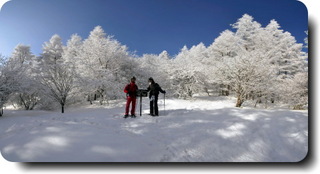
(200,130)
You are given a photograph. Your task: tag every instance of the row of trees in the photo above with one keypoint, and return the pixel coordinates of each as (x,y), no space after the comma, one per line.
(264,64)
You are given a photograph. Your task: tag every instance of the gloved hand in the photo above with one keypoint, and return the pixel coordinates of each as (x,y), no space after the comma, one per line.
(164,92)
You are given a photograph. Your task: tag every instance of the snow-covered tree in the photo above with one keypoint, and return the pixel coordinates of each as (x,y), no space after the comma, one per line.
(105,66)
(189,71)
(253,59)
(255,62)
(22,54)
(156,66)
(27,95)
(240,59)
(56,76)
(10,75)
(295,91)
(149,64)
(71,56)
(71,53)
(285,53)
(224,47)
(52,51)
(286,56)
(4,86)
(246,75)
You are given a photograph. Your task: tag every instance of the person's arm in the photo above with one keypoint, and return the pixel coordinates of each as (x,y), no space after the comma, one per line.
(159,88)
(148,89)
(126,89)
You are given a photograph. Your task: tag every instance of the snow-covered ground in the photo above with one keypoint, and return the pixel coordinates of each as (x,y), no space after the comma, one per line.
(201,130)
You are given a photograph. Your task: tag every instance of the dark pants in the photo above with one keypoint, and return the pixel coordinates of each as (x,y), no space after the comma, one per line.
(154,106)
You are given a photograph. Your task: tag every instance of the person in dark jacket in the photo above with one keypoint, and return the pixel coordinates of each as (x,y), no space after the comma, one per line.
(154,89)
(131,91)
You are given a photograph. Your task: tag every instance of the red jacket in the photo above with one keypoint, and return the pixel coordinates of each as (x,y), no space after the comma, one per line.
(131,89)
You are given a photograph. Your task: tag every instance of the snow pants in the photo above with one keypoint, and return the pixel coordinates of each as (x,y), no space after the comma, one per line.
(154,106)
(133,106)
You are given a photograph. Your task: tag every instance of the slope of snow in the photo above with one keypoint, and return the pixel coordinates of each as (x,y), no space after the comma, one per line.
(201,130)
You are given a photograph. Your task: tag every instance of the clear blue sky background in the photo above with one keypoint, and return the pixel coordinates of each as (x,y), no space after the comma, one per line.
(145,26)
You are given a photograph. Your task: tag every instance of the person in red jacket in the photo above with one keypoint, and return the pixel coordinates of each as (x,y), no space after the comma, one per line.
(131,91)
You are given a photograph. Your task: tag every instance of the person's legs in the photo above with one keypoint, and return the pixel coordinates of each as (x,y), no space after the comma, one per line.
(156,106)
(127,106)
(151,107)
(133,106)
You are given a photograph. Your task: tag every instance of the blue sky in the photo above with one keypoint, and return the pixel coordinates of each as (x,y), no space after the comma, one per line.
(145,26)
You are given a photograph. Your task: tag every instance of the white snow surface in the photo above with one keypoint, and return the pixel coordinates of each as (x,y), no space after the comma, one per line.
(201,130)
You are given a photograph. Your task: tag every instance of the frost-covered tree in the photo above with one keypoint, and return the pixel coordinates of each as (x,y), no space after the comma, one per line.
(286,56)
(224,47)
(52,51)
(295,91)
(71,56)
(56,76)
(22,54)
(72,50)
(245,75)
(4,86)
(188,73)
(27,95)
(247,30)
(241,62)
(155,66)
(254,59)
(149,64)
(105,66)
(284,51)
(165,66)
(10,75)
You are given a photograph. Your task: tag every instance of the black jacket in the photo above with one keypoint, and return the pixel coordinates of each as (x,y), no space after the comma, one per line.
(154,89)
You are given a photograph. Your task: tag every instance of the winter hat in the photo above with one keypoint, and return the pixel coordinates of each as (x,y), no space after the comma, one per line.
(151,80)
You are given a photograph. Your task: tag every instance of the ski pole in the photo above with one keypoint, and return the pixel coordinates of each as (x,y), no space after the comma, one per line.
(140,104)
(164,103)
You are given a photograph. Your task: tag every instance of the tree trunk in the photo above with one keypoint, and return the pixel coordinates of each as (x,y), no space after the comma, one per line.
(107,100)
(101,101)
(1,112)
(89,98)
(62,108)
(33,105)
(272,100)
(26,106)
(240,100)
(255,105)
(207,91)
